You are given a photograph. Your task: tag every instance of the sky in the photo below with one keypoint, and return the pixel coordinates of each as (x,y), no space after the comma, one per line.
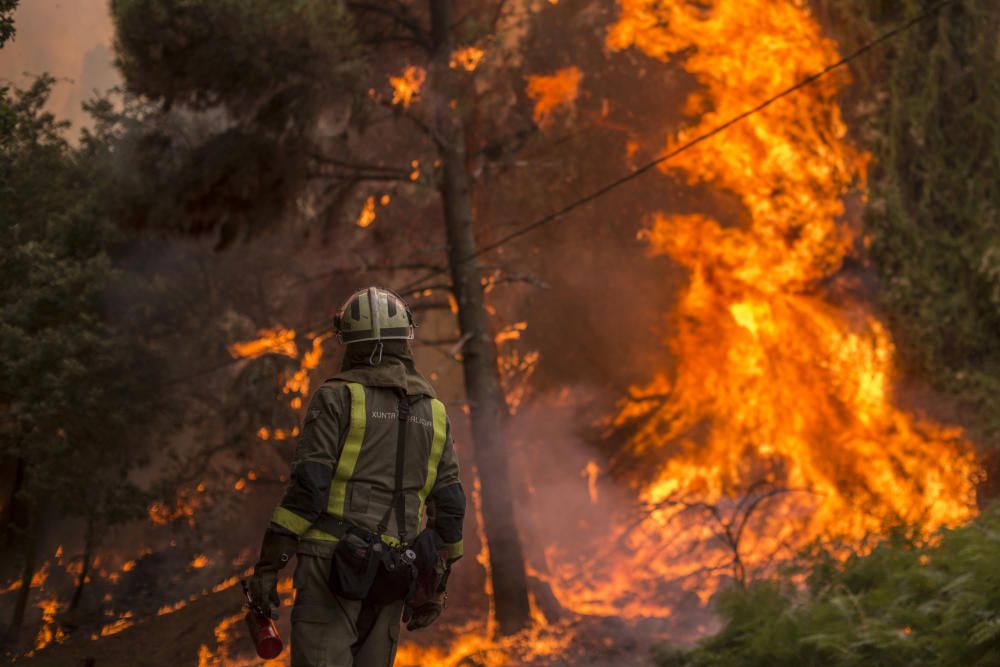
(70,39)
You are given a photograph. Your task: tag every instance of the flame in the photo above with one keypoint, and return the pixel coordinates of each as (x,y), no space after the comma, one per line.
(269,341)
(406,86)
(470,647)
(225,583)
(367,215)
(516,370)
(280,340)
(121,623)
(223,639)
(467,58)
(48,632)
(186,503)
(199,561)
(171,608)
(780,395)
(512,332)
(591,471)
(553,92)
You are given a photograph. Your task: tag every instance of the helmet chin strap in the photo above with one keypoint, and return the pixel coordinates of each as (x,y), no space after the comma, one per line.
(371,359)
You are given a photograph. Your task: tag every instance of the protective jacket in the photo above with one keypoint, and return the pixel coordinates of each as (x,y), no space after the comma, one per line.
(344,465)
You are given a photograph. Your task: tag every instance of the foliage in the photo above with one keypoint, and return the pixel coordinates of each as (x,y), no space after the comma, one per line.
(249,82)
(7,8)
(275,113)
(172,51)
(76,386)
(907,603)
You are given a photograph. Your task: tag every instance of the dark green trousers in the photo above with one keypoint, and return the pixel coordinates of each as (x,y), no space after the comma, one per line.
(328,631)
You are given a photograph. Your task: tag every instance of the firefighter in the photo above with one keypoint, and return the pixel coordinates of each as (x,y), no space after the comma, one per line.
(374,507)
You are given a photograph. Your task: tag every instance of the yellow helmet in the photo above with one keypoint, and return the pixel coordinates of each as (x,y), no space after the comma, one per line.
(389,319)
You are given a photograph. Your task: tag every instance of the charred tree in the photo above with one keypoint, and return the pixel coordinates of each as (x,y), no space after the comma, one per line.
(86,561)
(12,516)
(487,402)
(24,592)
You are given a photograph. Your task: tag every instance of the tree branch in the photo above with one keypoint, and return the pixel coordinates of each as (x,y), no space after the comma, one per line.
(357,166)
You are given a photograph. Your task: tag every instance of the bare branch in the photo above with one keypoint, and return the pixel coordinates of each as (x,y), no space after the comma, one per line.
(358,177)
(357,166)
(503,276)
(430,305)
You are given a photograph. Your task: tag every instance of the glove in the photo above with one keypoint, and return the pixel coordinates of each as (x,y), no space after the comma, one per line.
(275,553)
(264,592)
(425,614)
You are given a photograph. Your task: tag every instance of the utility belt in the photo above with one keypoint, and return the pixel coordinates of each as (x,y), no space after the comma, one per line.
(379,568)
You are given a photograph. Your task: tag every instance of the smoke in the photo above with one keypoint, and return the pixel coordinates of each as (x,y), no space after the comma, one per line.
(577,524)
(70,39)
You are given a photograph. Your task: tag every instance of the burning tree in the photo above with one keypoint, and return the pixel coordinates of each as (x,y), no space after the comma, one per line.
(782,372)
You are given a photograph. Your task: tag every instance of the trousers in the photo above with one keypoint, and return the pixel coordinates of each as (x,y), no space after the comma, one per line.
(329,631)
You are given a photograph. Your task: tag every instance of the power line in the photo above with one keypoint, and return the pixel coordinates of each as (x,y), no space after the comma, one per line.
(551,217)
(639,171)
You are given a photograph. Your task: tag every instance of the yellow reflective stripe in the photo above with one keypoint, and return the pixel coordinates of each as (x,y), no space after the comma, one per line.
(290,520)
(456,550)
(349,456)
(317,534)
(440,419)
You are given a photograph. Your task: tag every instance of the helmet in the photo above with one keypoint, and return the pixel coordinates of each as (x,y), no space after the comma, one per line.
(390,319)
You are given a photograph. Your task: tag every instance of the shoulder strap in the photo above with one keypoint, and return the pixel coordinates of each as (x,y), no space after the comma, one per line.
(348,458)
(398,496)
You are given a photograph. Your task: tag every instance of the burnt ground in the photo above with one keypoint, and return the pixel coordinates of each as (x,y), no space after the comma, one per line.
(175,639)
(161,641)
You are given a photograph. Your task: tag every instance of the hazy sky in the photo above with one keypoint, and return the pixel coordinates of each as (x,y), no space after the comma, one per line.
(70,39)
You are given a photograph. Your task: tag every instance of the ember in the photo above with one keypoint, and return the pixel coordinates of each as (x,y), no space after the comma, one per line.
(406,86)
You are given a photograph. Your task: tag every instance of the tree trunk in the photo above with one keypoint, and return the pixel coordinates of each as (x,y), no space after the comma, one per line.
(487,403)
(24,593)
(12,514)
(88,556)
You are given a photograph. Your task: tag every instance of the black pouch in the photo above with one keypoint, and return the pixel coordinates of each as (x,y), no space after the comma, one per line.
(355,565)
(396,577)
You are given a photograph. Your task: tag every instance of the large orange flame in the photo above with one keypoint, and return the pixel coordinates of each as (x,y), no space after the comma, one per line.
(776,386)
